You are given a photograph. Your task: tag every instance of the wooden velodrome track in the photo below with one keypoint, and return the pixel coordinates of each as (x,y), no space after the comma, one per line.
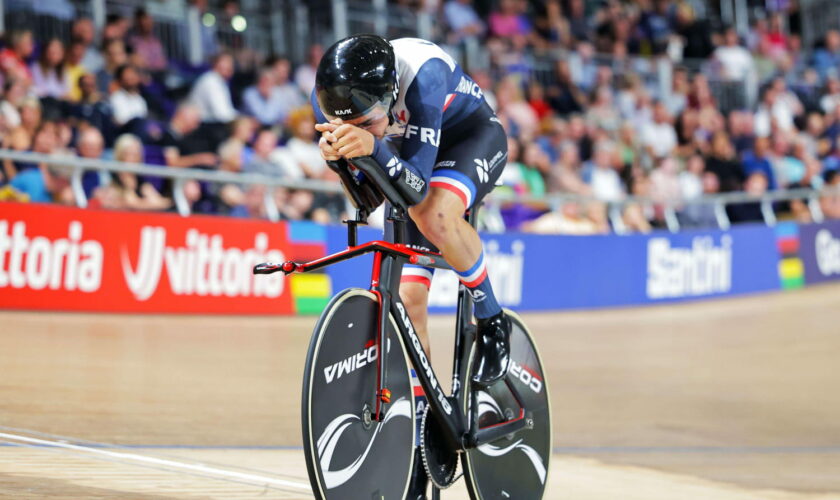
(731,399)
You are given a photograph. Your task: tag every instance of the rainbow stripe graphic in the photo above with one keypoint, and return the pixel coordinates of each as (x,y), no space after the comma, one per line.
(311,291)
(791,269)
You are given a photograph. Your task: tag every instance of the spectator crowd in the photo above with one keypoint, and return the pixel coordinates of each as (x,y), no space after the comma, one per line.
(569,79)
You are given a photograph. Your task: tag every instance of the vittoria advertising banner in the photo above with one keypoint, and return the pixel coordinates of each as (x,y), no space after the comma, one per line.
(68,259)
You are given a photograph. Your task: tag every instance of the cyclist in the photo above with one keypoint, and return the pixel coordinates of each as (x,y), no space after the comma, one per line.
(409,105)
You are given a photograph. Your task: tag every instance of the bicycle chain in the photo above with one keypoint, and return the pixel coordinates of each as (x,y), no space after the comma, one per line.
(452,477)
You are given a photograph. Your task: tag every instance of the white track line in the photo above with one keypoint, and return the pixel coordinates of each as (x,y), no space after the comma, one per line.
(160,461)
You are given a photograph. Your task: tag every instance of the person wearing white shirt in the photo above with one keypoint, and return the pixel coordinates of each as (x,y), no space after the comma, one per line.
(126,102)
(736,62)
(659,136)
(773,110)
(211,94)
(305,74)
(601,176)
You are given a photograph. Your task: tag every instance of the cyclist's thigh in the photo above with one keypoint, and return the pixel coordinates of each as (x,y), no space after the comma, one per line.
(471,166)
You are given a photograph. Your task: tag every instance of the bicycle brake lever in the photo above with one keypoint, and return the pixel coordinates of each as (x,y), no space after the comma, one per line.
(287,267)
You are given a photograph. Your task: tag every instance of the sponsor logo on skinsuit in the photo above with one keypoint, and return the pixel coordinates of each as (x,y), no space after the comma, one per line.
(427,135)
(704,268)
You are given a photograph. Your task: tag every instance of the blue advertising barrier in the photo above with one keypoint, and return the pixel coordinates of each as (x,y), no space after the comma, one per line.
(534,272)
(819,249)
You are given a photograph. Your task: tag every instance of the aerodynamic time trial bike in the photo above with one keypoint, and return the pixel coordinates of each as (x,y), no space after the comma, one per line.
(358,410)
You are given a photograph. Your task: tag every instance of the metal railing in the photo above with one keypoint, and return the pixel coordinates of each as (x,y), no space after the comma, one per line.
(717,203)
(77,166)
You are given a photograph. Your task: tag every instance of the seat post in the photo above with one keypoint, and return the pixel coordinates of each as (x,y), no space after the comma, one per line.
(398,218)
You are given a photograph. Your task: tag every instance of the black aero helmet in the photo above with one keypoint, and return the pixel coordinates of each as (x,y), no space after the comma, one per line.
(356,75)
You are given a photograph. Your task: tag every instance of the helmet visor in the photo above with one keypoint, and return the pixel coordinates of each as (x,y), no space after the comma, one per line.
(359,107)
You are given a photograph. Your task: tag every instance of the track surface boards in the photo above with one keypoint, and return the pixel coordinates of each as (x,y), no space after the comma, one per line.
(731,399)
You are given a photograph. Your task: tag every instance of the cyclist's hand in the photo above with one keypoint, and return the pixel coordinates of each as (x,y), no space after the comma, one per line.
(352,141)
(328,152)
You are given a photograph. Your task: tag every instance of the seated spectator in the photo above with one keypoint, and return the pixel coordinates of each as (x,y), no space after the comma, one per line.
(736,62)
(755,185)
(264,101)
(665,189)
(830,201)
(261,160)
(116,28)
(601,175)
(115,57)
(701,214)
(778,108)
(831,96)
(724,164)
(305,73)
(146,45)
(655,26)
(759,160)
(211,95)
(659,137)
(603,113)
(127,105)
(74,69)
(697,42)
(30,114)
(537,99)
(84,32)
(43,183)
(90,145)
(827,57)
(230,198)
(13,59)
(463,21)
(93,108)
(571,218)
(514,107)
(301,152)
(564,96)
(14,92)
(788,160)
(182,147)
(741,127)
(18,140)
(48,72)
(509,21)
(124,191)
(289,92)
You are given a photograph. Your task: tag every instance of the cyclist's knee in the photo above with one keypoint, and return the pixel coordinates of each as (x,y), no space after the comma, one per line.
(438,215)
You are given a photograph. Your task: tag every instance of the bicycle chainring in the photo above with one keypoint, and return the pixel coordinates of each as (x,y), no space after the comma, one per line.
(439,461)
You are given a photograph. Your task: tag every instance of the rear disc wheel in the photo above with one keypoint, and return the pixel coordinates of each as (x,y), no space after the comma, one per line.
(514,466)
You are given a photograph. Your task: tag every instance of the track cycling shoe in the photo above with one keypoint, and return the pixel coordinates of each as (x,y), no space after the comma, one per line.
(492,350)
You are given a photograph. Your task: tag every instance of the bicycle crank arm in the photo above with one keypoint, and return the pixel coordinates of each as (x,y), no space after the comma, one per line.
(494,432)
(287,267)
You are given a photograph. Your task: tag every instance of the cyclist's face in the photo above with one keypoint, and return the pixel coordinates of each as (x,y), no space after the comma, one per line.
(373,123)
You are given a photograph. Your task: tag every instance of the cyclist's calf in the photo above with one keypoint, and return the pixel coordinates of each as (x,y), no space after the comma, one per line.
(415,297)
